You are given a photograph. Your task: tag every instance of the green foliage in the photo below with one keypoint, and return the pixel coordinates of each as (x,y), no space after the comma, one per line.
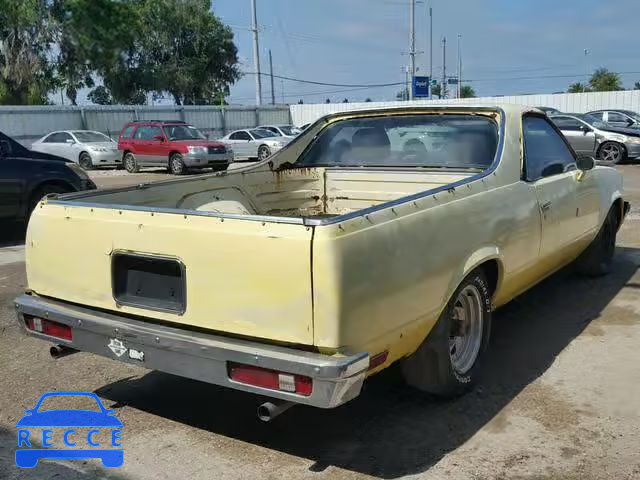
(137,48)
(636,86)
(100,96)
(577,88)
(603,80)
(467,91)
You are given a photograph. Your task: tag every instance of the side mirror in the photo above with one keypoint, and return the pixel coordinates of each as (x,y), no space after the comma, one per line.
(585,162)
(70,141)
(160,138)
(584,128)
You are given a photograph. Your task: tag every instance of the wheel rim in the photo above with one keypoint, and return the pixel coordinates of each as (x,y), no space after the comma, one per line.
(465,337)
(611,152)
(85,162)
(263,154)
(129,163)
(175,165)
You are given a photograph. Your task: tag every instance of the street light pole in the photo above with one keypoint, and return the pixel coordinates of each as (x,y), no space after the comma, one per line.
(412,44)
(444,68)
(256,52)
(459,66)
(430,48)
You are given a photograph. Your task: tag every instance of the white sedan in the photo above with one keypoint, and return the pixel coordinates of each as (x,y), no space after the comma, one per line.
(282,130)
(88,148)
(254,143)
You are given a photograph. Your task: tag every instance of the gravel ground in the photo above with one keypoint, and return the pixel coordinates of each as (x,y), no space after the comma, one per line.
(559,399)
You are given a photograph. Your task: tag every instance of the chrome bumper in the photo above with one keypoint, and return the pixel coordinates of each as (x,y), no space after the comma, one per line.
(197,355)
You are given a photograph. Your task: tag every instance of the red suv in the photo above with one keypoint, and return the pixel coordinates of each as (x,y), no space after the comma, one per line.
(175,145)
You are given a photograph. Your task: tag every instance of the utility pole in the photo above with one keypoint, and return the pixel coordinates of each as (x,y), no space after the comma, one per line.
(412,44)
(430,48)
(273,93)
(256,52)
(459,66)
(444,68)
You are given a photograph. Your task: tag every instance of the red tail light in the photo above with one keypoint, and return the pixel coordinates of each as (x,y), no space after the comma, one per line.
(271,379)
(53,329)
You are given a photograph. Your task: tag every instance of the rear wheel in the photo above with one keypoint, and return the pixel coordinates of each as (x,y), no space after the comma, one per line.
(130,163)
(612,152)
(446,364)
(176,164)
(85,161)
(596,260)
(263,152)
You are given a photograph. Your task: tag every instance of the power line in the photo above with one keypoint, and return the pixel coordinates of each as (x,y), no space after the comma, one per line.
(327,84)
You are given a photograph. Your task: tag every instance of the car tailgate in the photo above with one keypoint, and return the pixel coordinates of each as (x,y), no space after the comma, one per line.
(228,275)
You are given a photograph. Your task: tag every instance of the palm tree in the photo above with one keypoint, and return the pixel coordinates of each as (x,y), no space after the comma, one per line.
(467,91)
(577,88)
(603,80)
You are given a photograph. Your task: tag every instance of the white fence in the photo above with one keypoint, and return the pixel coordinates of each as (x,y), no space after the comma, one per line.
(27,124)
(565,102)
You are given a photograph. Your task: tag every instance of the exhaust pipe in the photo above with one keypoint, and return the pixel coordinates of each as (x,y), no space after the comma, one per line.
(59,351)
(270,410)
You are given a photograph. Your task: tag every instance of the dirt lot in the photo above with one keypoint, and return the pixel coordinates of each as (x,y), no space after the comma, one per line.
(560,398)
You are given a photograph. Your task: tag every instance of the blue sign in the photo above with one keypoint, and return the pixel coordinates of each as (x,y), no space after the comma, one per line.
(62,421)
(420,87)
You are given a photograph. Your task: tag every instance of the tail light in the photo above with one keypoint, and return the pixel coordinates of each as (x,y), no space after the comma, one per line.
(271,379)
(47,327)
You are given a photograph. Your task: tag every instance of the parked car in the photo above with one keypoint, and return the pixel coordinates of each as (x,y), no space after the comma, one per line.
(172,144)
(255,143)
(589,136)
(618,118)
(27,176)
(549,110)
(300,276)
(87,148)
(282,130)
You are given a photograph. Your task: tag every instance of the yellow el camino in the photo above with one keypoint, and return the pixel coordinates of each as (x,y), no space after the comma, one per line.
(374,237)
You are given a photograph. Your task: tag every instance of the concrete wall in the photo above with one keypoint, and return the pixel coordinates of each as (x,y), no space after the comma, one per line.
(565,102)
(28,123)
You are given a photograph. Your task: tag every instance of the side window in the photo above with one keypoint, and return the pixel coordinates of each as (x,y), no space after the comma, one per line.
(240,136)
(141,132)
(617,117)
(147,132)
(53,138)
(545,151)
(273,129)
(234,136)
(567,123)
(128,132)
(64,137)
(597,115)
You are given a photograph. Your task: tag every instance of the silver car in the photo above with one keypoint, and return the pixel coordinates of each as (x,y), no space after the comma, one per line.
(88,148)
(606,142)
(254,143)
(282,130)
(618,118)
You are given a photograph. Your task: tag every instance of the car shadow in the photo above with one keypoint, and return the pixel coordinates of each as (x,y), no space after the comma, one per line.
(392,430)
(12,233)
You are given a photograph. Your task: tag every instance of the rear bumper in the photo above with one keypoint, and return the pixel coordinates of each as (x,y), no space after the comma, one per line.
(201,356)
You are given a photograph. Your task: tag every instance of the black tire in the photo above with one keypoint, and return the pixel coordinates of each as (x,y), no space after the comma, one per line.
(176,164)
(263,152)
(85,161)
(612,153)
(130,163)
(431,368)
(596,260)
(41,192)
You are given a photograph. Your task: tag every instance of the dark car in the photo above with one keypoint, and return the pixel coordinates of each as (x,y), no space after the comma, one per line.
(27,176)
(618,118)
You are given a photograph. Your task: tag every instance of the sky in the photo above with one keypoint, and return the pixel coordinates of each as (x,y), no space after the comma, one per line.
(509,47)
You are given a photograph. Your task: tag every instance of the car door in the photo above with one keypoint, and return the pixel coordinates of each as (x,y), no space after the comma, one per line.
(241,143)
(579,134)
(52,144)
(12,181)
(144,146)
(67,147)
(550,166)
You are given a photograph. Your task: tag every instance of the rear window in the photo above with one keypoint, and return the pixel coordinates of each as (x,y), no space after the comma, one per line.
(428,141)
(128,132)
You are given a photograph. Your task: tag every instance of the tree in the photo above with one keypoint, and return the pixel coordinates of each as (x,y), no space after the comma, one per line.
(346,100)
(603,80)
(367,99)
(577,88)
(327,101)
(403,94)
(467,91)
(636,86)
(436,90)
(185,50)
(100,96)
(25,38)
(300,102)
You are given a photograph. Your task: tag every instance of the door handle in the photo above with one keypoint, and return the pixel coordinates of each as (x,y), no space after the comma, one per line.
(545,206)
